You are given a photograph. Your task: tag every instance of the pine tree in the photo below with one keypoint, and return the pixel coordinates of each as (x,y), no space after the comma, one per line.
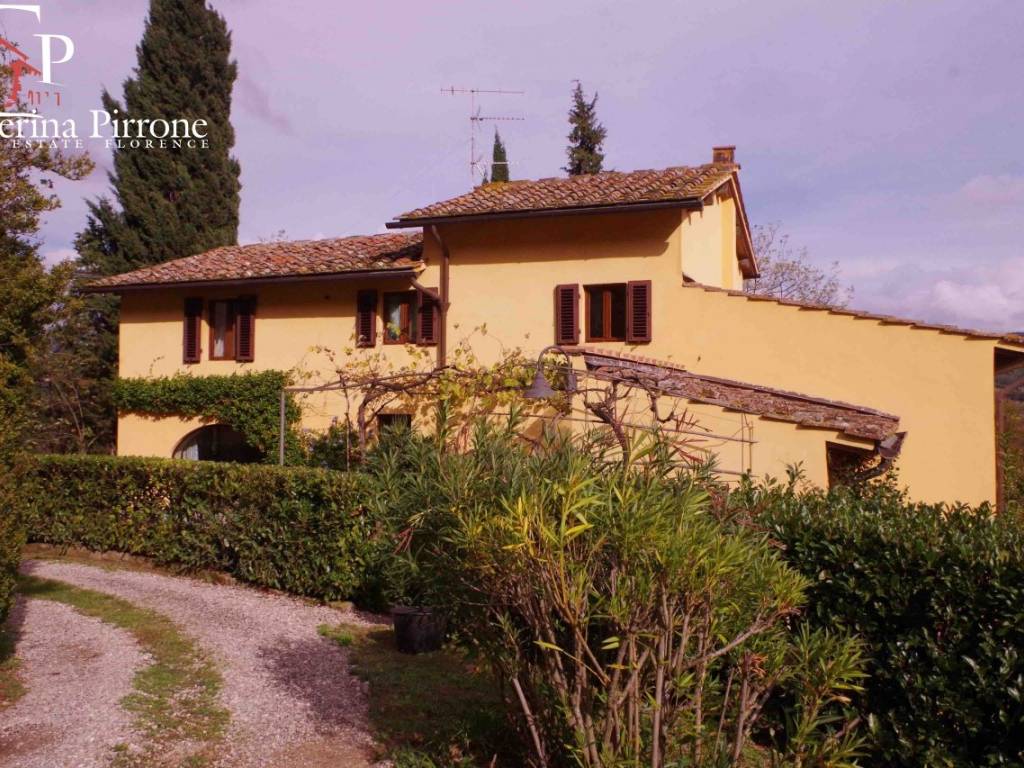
(173,201)
(586,137)
(499,159)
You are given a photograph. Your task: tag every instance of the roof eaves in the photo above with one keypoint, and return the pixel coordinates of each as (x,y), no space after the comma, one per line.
(98,287)
(817,413)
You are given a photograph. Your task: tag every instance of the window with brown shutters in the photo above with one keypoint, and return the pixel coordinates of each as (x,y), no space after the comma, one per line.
(638,311)
(366,318)
(245,329)
(427,329)
(567,314)
(191,336)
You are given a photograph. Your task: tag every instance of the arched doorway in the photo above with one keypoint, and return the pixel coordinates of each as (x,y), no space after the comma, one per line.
(216,442)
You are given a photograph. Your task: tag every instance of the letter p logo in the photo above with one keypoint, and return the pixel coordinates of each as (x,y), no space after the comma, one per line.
(48,62)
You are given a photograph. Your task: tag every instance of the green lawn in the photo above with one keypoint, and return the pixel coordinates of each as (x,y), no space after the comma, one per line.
(430,710)
(11,688)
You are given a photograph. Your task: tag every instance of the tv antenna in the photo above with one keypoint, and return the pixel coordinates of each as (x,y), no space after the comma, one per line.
(476,119)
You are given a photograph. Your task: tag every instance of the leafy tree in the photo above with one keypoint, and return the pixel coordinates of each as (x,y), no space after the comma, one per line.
(587,136)
(31,297)
(786,272)
(499,159)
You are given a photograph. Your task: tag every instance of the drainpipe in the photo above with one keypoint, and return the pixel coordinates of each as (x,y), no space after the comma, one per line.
(446,257)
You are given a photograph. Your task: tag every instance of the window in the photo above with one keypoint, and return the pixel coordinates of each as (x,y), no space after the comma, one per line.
(232,330)
(619,312)
(400,317)
(216,442)
(845,463)
(394,421)
(606,312)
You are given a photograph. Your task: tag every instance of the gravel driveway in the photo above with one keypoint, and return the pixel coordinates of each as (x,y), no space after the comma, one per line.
(291,697)
(78,669)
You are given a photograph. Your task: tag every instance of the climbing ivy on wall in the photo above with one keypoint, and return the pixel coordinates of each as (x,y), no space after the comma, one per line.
(247,402)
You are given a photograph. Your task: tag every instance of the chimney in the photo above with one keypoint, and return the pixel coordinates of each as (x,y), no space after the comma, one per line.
(723,154)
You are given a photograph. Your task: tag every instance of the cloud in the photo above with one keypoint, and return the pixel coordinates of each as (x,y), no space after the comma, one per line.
(983,297)
(254,99)
(1002,191)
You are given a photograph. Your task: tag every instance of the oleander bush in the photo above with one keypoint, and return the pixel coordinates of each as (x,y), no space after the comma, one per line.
(624,619)
(936,592)
(302,530)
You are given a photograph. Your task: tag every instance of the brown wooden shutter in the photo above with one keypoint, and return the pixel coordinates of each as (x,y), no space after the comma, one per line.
(427,320)
(366,318)
(192,350)
(638,311)
(245,329)
(567,314)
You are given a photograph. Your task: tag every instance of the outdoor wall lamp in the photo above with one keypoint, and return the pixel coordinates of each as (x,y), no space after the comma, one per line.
(541,388)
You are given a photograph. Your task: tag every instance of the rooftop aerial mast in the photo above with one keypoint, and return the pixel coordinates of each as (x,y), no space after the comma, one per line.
(476,163)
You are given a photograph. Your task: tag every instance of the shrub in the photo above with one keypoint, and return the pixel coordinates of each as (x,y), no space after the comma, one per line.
(248,402)
(937,594)
(12,536)
(11,540)
(628,623)
(295,529)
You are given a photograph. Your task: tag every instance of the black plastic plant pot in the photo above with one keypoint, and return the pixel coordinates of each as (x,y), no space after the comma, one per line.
(417,630)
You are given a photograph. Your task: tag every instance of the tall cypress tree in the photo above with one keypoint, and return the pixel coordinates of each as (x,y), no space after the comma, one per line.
(499,159)
(586,136)
(167,202)
(173,202)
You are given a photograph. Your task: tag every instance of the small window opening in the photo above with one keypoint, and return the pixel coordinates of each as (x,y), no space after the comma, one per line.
(399,317)
(606,312)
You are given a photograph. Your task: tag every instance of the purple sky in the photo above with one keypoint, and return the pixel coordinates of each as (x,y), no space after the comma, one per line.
(886,136)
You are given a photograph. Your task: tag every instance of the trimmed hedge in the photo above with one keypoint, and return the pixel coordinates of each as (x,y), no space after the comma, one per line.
(301,530)
(11,540)
(937,593)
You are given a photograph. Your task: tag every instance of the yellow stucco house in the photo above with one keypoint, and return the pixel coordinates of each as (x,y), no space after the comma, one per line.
(625,271)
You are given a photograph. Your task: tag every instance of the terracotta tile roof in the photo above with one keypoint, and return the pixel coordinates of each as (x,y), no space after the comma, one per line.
(364,253)
(599,189)
(1008,338)
(804,410)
